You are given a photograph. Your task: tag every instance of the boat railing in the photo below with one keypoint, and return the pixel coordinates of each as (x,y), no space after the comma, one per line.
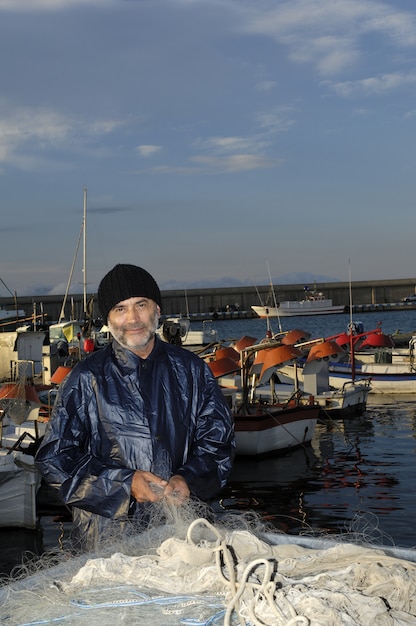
(365,382)
(22,368)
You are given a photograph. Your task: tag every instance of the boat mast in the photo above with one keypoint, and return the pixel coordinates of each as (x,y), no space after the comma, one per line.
(274,297)
(352,355)
(186,304)
(82,233)
(62,313)
(84,267)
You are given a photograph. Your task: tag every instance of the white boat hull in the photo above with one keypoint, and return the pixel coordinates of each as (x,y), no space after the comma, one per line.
(267,433)
(385,378)
(295,308)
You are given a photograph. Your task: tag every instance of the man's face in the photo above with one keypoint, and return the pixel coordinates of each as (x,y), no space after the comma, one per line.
(133,324)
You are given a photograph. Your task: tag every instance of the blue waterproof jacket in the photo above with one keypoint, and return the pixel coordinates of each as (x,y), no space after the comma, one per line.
(116,413)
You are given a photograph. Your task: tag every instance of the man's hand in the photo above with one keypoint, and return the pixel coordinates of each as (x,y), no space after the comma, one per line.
(177,490)
(147,487)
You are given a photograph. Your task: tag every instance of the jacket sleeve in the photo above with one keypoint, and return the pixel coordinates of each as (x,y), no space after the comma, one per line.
(74,459)
(212,451)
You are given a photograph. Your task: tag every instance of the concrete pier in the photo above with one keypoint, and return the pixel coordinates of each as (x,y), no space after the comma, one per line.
(236,302)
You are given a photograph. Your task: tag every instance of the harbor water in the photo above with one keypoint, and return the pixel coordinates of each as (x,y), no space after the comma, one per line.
(356,479)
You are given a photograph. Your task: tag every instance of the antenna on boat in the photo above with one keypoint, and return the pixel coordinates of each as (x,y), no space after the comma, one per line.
(274,297)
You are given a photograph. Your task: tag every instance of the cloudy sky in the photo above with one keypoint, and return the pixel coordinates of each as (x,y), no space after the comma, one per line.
(214,137)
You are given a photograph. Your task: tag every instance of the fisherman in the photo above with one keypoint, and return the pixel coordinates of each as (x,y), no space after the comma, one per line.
(136,422)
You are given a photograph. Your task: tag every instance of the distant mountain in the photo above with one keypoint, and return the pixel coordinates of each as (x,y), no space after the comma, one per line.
(299,278)
(306,278)
(296,278)
(226,281)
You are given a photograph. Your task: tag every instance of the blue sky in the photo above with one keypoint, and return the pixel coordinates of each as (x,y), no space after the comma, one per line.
(212,136)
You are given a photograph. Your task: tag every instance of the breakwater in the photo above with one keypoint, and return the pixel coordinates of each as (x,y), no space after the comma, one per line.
(236,302)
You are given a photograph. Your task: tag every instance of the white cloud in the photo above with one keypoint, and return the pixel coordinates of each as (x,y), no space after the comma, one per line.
(231,144)
(276,120)
(329,35)
(49,5)
(148,150)
(375,85)
(250,152)
(218,164)
(45,128)
(236,162)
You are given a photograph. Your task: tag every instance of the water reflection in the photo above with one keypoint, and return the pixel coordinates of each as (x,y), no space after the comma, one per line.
(274,488)
(358,476)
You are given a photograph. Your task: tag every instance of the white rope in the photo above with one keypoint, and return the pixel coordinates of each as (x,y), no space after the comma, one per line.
(266,589)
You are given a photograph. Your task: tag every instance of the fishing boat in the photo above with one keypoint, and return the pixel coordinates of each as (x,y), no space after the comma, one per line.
(391,370)
(310,381)
(262,426)
(347,400)
(387,379)
(313,303)
(370,356)
(277,428)
(23,418)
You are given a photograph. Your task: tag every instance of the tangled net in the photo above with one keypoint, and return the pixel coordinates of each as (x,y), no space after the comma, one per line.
(206,575)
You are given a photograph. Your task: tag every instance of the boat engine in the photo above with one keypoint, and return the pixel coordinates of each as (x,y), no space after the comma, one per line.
(172,332)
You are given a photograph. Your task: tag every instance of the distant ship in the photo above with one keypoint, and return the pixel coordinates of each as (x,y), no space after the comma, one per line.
(314,303)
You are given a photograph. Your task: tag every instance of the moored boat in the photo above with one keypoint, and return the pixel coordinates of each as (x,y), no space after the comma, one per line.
(285,381)
(262,427)
(389,378)
(278,428)
(24,413)
(313,380)
(370,356)
(314,303)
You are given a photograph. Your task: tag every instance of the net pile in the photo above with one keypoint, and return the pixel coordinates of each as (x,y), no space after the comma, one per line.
(214,575)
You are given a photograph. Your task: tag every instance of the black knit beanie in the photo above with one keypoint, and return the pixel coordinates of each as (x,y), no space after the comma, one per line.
(126,281)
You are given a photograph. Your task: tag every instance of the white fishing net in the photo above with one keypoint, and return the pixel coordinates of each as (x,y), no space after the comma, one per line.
(216,575)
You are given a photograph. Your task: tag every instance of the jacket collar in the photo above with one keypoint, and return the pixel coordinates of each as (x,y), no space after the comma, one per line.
(129,361)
